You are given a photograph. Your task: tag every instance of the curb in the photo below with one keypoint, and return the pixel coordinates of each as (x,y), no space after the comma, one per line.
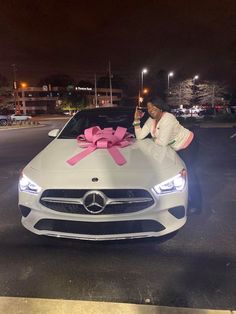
(16,305)
(22,127)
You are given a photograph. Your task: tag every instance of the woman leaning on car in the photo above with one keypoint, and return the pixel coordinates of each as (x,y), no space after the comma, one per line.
(166,130)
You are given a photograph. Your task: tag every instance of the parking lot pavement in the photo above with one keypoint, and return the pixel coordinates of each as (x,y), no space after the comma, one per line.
(10,305)
(209,125)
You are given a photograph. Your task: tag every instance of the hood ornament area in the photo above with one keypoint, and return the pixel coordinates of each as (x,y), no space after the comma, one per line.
(94,202)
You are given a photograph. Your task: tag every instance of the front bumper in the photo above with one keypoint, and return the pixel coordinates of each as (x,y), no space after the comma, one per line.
(167,215)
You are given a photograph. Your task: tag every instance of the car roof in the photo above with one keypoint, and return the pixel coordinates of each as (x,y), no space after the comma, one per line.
(109,109)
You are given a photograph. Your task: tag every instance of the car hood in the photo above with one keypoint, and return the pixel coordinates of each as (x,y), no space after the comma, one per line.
(146,164)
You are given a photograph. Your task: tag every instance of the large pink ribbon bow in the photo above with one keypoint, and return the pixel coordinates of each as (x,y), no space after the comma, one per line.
(95,138)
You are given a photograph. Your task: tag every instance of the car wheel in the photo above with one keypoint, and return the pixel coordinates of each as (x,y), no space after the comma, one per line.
(3,122)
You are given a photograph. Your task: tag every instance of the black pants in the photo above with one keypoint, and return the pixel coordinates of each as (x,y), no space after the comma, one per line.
(190,156)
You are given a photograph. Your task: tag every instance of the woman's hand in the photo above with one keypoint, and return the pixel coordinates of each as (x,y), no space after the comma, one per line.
(138,114)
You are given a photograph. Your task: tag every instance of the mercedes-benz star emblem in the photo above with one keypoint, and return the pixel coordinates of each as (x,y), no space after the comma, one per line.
(94,202)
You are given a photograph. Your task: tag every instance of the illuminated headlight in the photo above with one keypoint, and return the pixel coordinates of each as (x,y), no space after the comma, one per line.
(27,185)
(175,184)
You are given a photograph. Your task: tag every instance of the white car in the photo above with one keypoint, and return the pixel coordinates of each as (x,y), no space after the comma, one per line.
(20,117)
(97,199)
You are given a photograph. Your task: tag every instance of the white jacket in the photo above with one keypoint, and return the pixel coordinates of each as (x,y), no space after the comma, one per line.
(168,131)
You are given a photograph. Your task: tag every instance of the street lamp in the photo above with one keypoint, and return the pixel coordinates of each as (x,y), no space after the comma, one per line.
(169,75)
(196,77)
(23,85)
(144,71)
(140,93)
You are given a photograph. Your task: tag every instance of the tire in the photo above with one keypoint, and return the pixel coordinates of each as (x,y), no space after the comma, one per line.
(3,122)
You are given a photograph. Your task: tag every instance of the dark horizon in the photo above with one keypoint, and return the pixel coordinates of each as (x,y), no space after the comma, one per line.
(47,37)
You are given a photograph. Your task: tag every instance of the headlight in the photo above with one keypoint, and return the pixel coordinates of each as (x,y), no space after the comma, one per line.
(175,184)
(27,185)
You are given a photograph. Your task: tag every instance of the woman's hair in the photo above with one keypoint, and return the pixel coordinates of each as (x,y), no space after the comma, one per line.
(157,102)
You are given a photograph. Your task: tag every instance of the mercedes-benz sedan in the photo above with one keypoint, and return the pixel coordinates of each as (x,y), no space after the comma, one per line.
(96,181)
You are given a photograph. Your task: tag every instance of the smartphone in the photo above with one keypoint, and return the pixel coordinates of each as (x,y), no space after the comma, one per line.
(142,108)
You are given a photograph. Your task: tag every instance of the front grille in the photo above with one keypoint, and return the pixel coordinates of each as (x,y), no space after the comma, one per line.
(119,201)
(99,228)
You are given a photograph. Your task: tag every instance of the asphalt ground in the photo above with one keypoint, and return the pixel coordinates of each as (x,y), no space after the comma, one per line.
(194,268)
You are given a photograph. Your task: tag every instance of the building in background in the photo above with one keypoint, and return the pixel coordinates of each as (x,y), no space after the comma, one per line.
(38,100)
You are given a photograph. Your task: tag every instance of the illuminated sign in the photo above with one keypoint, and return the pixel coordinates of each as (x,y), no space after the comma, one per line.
(84,88)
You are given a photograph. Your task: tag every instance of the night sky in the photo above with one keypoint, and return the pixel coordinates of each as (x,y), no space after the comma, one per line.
(79,37)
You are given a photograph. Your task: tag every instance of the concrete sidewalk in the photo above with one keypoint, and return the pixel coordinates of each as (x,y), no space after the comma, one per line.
(15,305)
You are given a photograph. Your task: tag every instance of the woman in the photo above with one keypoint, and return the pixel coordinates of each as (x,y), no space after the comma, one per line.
(167,131)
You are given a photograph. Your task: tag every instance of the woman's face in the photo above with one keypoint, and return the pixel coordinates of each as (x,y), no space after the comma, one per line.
(153,111)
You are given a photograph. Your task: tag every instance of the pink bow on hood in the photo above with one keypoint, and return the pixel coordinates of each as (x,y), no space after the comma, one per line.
(96,138)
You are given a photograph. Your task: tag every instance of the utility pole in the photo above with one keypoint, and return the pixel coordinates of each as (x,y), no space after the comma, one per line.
(95,91)
(180,96)
(213,98)
(15,92)
(110,77)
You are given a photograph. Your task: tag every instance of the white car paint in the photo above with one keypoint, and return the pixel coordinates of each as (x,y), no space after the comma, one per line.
(15,117)
(147,165)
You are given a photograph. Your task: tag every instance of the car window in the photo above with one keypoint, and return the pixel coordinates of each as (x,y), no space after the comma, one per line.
(108,117)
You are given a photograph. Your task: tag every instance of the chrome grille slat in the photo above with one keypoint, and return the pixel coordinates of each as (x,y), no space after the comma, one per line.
(63,200)
(128,200)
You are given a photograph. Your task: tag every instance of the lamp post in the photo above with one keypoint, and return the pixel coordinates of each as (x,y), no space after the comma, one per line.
(140,93)
(196,77)
(23,85)
(144,71)
(169,75)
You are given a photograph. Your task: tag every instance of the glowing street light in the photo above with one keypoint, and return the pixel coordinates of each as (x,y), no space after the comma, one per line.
(23,85)
(144,71)
(196,77)
(140,99)
(169,75)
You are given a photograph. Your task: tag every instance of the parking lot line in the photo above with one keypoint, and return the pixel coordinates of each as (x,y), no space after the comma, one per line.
(16,305)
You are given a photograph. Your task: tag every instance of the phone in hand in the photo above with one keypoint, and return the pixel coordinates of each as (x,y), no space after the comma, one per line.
(142,109)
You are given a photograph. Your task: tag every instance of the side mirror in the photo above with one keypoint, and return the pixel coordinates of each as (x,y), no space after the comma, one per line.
(54,133)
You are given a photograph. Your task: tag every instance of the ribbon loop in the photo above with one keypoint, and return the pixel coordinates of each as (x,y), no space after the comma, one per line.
(107,138)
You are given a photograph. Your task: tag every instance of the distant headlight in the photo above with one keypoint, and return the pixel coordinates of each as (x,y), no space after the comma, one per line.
(175,184)
(27,185)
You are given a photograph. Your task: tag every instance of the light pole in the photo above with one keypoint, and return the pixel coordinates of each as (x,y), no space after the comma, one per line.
(140,94)
(169,75)
(144,71)
(23,85)
(196,77)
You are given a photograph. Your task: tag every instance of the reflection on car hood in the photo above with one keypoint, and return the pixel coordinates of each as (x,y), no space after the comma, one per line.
(144,159)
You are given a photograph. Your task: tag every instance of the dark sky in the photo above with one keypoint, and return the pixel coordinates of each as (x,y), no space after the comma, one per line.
(79,37)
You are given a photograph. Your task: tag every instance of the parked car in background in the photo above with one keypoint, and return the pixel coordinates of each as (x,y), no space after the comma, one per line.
(4,120)
(20,117)
(95,198)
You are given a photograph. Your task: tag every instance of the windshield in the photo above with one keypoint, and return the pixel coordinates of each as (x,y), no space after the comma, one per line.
(102,117)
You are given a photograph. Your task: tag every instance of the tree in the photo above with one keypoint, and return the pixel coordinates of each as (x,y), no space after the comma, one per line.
(188,93)
(72,101)
(6,98)
(211,93)
(59,80)
(181,93)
